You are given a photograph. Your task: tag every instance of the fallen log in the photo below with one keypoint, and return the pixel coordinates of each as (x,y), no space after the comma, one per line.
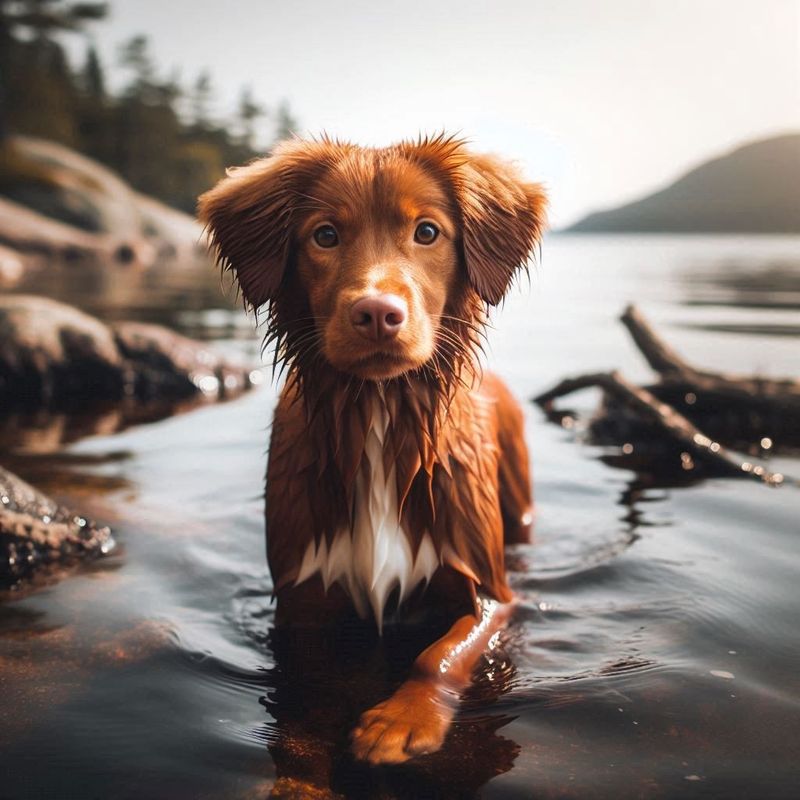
(694,444)
(677,375)
(691,409)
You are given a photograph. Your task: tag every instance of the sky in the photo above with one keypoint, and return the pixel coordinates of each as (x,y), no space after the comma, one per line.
(602,100)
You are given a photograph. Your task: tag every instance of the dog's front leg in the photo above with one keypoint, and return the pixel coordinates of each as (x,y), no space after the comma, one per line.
(415,719)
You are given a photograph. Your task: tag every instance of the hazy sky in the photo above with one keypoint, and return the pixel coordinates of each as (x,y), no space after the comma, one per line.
(603,99)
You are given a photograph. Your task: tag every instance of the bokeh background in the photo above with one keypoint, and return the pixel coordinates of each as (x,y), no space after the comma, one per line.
(654,650)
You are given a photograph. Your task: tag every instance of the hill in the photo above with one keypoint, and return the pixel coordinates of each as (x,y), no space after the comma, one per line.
(754,189)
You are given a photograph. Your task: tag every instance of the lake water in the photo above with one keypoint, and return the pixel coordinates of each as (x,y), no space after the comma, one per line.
(654,652)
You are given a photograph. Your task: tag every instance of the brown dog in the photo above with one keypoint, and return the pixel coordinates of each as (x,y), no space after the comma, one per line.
(396,470)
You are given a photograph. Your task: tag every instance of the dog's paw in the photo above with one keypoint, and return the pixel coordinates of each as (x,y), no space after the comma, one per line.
(413,721)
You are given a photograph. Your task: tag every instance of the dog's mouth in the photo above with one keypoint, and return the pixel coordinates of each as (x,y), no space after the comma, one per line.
(381,365)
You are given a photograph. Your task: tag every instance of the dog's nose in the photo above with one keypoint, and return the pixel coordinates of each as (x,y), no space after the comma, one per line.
(379,317)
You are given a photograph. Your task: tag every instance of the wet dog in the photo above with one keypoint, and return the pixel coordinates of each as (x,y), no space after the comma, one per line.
(397,470)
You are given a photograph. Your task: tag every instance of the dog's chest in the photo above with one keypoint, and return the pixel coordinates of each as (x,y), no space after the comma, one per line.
(375,556)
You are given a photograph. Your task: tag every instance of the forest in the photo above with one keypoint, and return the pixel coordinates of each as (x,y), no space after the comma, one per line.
(158,133)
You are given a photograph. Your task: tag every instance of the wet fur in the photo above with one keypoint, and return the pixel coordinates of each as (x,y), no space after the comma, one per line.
(452,438)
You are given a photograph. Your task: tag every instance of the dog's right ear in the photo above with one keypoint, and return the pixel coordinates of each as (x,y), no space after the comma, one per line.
(250,215)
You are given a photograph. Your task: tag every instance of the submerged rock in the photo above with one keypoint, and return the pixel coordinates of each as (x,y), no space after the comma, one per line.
(52,355)
(35,531)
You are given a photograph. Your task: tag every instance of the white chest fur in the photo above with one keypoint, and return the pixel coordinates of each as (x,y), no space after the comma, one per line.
(375,556)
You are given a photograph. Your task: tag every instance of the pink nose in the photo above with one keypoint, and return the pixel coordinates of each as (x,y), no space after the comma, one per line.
(379,317)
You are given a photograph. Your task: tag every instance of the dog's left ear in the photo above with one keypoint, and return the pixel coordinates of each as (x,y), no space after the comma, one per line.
(503,218)
(249,215)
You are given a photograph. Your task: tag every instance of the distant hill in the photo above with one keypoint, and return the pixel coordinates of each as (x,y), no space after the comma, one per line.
(754,189)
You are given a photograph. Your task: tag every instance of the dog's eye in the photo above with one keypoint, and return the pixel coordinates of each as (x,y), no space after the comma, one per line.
(326,236)
(426,233)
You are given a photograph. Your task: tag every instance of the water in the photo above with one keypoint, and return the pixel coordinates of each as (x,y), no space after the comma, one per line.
(654,652)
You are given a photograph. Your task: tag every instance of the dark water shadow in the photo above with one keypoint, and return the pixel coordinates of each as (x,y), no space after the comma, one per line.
(320,684)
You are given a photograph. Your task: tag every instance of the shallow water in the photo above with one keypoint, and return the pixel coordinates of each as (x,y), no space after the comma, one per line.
(654,652)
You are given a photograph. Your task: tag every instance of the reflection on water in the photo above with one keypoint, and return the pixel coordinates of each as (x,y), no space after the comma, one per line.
(195,300)
(44,431)
(774,285)
(653,653)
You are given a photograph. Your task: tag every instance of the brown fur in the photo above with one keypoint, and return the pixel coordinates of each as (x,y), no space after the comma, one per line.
(453,436)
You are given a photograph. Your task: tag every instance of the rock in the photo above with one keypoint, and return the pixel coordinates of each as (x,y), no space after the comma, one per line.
(57,202)
(176,237)
(50,352)
(54,356)
(168,364)
(32,233)
(12,267)
(35,531)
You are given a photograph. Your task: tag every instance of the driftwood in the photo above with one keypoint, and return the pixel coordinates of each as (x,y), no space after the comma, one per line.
(679,379)
(694,443)
(782,395)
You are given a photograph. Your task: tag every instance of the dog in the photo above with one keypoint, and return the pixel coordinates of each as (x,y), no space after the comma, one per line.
(397,469)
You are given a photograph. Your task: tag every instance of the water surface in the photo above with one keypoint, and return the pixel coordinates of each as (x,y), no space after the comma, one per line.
(654,652)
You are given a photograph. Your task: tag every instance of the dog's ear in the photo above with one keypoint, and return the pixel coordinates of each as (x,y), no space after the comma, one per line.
(250,214)
(503,216)
(503,219)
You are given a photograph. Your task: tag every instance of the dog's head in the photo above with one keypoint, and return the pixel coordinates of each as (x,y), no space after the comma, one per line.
(382,261)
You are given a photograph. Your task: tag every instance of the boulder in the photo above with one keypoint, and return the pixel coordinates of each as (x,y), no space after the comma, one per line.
(60,203)
(54,356)
(51,352)
(166,364)
(35,531)
(12,266)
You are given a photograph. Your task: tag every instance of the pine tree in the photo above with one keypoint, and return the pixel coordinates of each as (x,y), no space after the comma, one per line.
(201,101)
(249,112)
(135,56)
(285,123)
(93,80)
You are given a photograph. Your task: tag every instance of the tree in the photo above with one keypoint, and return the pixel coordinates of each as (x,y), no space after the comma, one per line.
(29,51)
(42,20)
(249,112)
(93,80)
(135,56)
(285,123)
(201,100)
(161,142)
